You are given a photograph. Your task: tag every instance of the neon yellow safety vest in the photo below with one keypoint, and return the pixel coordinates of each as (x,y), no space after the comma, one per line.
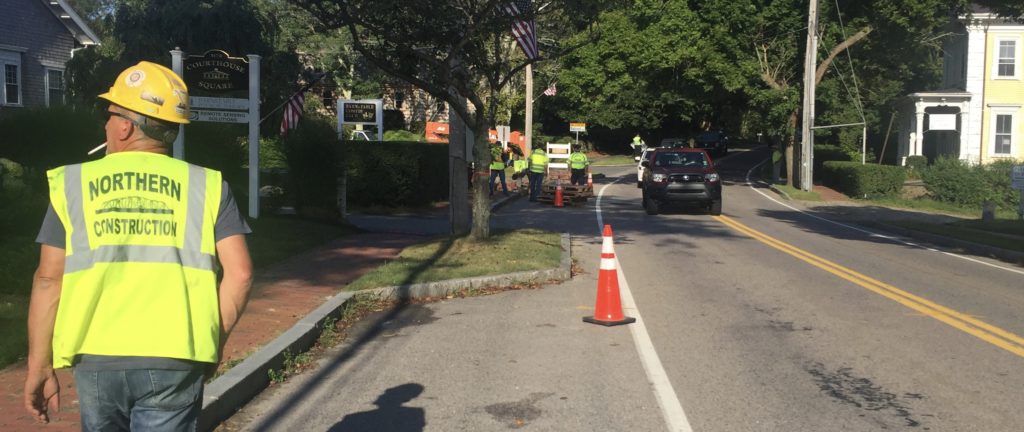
(496,163)
(139,258)
(538,162)
(519,165)
(578,160)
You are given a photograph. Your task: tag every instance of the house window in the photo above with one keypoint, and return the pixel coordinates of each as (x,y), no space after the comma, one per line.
(54,87)
(10,64)
(441,105)
(1003,134)
(1007,57)
(399,99)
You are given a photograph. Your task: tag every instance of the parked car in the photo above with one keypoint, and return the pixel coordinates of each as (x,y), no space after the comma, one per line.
(640,165)
(683,176)
(673,142)
(715,142)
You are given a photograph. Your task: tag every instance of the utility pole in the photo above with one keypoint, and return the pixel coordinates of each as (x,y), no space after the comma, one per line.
(810,65)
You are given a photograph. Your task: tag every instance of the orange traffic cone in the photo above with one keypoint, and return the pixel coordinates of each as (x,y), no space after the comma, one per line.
(608,308)
(558,193)
(590,180)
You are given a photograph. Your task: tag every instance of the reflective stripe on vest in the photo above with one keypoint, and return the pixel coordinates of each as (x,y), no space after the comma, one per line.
(139,258)
(578,160)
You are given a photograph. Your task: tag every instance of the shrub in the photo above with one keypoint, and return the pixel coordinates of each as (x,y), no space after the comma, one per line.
(917,162)
(959,182)
(42,138)
(314,161)
(824,153)
(857,180)
(396,173)
(402,135)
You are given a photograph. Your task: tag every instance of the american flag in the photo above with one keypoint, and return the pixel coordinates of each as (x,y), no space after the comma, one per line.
(525,31)
(551,90)
(293,111)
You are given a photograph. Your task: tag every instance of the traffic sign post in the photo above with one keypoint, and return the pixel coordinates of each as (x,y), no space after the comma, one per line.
(578,127)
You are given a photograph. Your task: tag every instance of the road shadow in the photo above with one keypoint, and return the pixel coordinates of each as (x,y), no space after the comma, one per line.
(390,415)
(374,329)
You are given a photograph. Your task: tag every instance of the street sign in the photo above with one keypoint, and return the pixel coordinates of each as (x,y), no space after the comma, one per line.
(1017,177)
(577,127)
(219,116)
(219,103)
(360,113)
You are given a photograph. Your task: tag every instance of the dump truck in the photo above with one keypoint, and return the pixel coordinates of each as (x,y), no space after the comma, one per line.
(559,174)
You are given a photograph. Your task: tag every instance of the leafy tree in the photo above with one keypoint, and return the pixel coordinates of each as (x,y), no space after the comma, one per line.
(453,50)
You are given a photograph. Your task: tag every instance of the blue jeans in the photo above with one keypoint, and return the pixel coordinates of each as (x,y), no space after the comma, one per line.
(139,399)
(536,180)
(500,174)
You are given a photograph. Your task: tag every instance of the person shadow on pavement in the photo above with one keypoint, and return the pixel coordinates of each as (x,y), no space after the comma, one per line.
(390,415)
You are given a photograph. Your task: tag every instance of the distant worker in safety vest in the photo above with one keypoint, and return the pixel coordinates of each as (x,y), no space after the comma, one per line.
(499,161)
(126,289)
(637,145)
(578,163)
(537,166)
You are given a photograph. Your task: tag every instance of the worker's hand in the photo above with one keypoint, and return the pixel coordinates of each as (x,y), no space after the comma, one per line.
(42,394)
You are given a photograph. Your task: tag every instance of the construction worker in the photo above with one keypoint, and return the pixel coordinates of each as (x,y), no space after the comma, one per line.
(126,289)
(638,145)
(537,166)
(499,160)
(578,163)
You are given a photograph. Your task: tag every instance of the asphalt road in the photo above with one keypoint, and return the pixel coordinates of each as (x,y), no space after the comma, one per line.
(767,318)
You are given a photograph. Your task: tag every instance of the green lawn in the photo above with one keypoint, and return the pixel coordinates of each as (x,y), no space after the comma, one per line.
(273,240)
(610,160)
(798,194)
(448,258)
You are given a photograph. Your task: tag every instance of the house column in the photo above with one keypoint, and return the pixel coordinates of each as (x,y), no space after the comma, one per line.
(965,117)
(919,136)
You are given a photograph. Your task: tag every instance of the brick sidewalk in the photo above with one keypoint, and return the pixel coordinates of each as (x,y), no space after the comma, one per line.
(282,295)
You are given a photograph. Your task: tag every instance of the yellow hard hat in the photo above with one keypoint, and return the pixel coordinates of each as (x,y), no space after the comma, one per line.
(151,90)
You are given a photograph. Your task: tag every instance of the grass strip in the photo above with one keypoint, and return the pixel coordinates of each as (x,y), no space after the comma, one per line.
(798,194)
(986,235)
(453,258)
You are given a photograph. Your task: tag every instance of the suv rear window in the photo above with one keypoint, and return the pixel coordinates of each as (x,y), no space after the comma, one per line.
(689,159)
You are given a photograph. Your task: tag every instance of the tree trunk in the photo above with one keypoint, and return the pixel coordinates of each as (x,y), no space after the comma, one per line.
(481,190)
(790,141)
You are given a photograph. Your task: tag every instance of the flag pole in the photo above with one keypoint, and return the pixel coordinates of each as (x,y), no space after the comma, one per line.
(529,108)
(301,90)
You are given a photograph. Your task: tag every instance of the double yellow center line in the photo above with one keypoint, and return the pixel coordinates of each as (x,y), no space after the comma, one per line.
(982,330)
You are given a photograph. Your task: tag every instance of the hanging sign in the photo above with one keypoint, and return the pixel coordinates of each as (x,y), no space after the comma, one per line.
(216,72)
(941,122)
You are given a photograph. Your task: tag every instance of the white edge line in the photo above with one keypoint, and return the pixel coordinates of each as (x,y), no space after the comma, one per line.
(872,233)
(671,408)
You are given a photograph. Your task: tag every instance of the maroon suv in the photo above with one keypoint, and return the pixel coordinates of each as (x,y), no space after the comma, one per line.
(681,175)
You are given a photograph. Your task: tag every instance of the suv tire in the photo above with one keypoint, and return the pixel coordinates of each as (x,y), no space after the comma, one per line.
(651,205)
(715,208)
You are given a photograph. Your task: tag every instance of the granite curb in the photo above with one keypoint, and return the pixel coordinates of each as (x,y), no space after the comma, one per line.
(231,391)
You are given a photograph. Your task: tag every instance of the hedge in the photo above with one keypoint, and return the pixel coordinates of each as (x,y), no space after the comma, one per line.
(857,180)
(958,182)
(824,153)
(396,173)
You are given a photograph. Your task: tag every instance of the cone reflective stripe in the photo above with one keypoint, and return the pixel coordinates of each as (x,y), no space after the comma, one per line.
(558,194)
(608,307)
(590,179)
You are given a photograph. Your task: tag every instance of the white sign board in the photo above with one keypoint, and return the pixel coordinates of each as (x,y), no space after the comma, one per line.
(219,103)
(1017,177)
(219,116)
(938,122)
(577,127)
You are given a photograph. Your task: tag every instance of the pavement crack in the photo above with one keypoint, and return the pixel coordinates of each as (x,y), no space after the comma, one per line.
(847,388)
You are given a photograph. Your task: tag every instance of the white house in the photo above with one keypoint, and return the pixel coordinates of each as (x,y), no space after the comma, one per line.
(977,115)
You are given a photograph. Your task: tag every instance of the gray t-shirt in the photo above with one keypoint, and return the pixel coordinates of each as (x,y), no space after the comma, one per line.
(229,222)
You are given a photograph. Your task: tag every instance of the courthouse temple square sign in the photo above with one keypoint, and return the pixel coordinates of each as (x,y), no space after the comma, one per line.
(216,72)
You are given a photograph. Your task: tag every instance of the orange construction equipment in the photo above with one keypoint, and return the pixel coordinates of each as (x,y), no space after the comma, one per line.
(558,194)
(608,308)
